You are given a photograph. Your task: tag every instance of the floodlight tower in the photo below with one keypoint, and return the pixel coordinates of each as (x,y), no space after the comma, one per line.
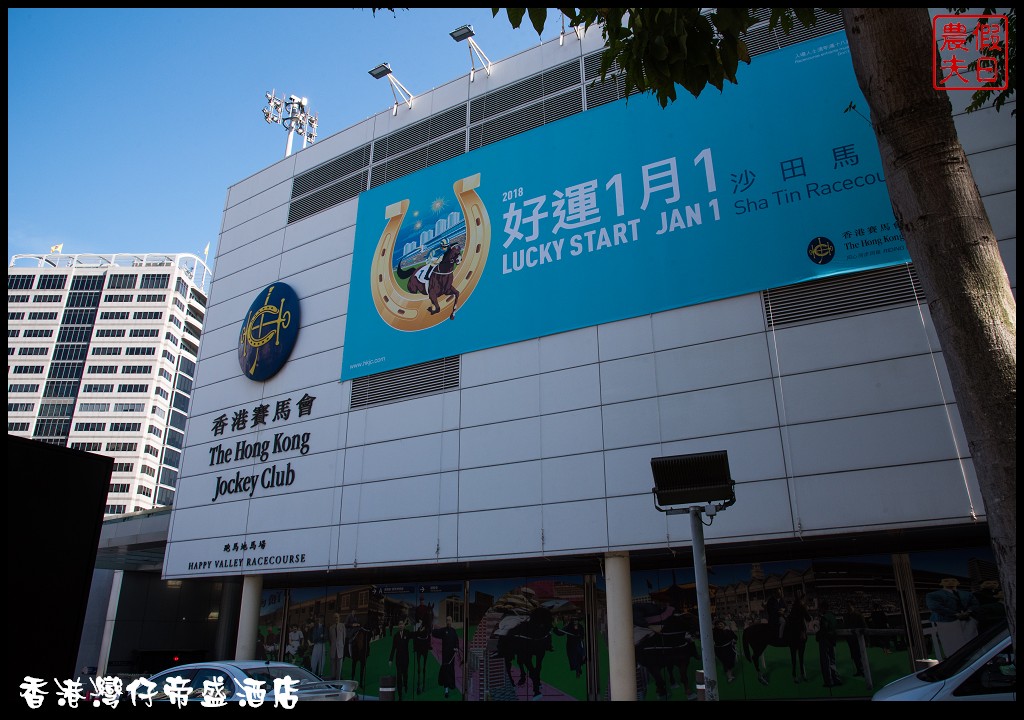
(291,113)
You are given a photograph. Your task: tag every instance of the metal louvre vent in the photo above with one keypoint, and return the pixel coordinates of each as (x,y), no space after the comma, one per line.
(536,86)
(337,168)
(842,295)
(328,197)
(420,133)
(526,118)
(761,40)
(404,383)
(444,149)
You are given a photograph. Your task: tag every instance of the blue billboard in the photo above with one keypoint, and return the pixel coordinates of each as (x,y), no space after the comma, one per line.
(624,210)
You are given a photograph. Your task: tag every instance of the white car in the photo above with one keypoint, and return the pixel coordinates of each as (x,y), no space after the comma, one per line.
(231,676)
(983,669)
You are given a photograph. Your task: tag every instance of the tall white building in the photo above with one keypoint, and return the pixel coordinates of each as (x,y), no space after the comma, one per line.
(101,354)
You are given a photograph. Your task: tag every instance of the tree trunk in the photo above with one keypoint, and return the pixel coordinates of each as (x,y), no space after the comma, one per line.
(954,249)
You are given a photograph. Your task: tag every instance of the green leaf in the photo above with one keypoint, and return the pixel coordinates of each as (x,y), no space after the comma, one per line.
(538,16)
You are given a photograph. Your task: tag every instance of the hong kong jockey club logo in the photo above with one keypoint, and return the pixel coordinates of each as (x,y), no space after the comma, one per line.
(269,332)
(821,250)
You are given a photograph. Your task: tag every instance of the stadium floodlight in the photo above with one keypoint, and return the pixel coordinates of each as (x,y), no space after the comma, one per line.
(384,71)
(466,33)
(293,115)
(696,484)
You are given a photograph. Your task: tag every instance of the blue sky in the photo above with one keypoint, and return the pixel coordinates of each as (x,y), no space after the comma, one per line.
(125,128)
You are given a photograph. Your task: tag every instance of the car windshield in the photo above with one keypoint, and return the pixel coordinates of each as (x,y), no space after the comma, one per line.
(270,673)
(965,655)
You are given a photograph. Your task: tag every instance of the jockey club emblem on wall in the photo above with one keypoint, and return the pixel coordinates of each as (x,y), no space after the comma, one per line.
(269,332)
(424,270)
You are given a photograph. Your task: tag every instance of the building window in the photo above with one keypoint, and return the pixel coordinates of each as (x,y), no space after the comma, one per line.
(17,298)
(149,315)
(16,388)
(140,351)
(79,317)
(150,450)
(35,332)
(147,470)
(165,374)
(110,332)
(61,388)
(86,446)
(73,335)
(124,467)
(129,407)
(132,388)
(20,407)
(122,447)
(162,393)
(155,281)
(93,407)
(52,409)
(36,316)
(151,298)
(19,315)
(52,282)
(121,282)
(119,487)
(114,510)
(143,490)
(66,351)
(110,298)
(175,322)
(16,333)
(144,332)
(27,369)
(125,427)
(114,315)
(106,351)
(154,430)
(136,369)
(51,428)
(47,298)
(96,388)
(101,369)
(90,427)
(19,282)
(17,427)
(83,299)
(87,282)
(33,351)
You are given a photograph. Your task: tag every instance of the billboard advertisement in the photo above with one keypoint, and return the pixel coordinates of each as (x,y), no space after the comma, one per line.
(624,210)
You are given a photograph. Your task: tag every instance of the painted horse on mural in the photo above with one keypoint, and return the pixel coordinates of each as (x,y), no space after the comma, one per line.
(526,642)
(359,648)
(663,652)
(437,281)
(759,636)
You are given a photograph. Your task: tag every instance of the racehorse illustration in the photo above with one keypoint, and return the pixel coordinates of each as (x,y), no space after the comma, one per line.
(441,282)
(527,642)
(661,653)
(759,636)
(421,644)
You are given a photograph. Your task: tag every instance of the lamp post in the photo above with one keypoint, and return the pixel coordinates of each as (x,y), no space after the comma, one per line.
(694,485)
(291,113)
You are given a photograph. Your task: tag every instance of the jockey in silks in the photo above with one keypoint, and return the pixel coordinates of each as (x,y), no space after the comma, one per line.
(424,273)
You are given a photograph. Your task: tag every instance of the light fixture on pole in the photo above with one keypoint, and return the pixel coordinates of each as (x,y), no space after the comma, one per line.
(466,33)
(384,71)
(692,485)
(293,115)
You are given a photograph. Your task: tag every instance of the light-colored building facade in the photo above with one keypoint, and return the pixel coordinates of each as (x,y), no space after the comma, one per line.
(532,456)
(101,356)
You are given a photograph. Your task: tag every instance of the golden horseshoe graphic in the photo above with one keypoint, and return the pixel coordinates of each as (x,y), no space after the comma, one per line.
(405,311)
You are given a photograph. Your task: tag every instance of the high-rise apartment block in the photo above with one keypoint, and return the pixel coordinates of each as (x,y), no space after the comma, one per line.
(101,355)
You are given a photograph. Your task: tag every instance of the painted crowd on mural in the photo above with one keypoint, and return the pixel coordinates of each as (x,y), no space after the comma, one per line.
(818,628)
